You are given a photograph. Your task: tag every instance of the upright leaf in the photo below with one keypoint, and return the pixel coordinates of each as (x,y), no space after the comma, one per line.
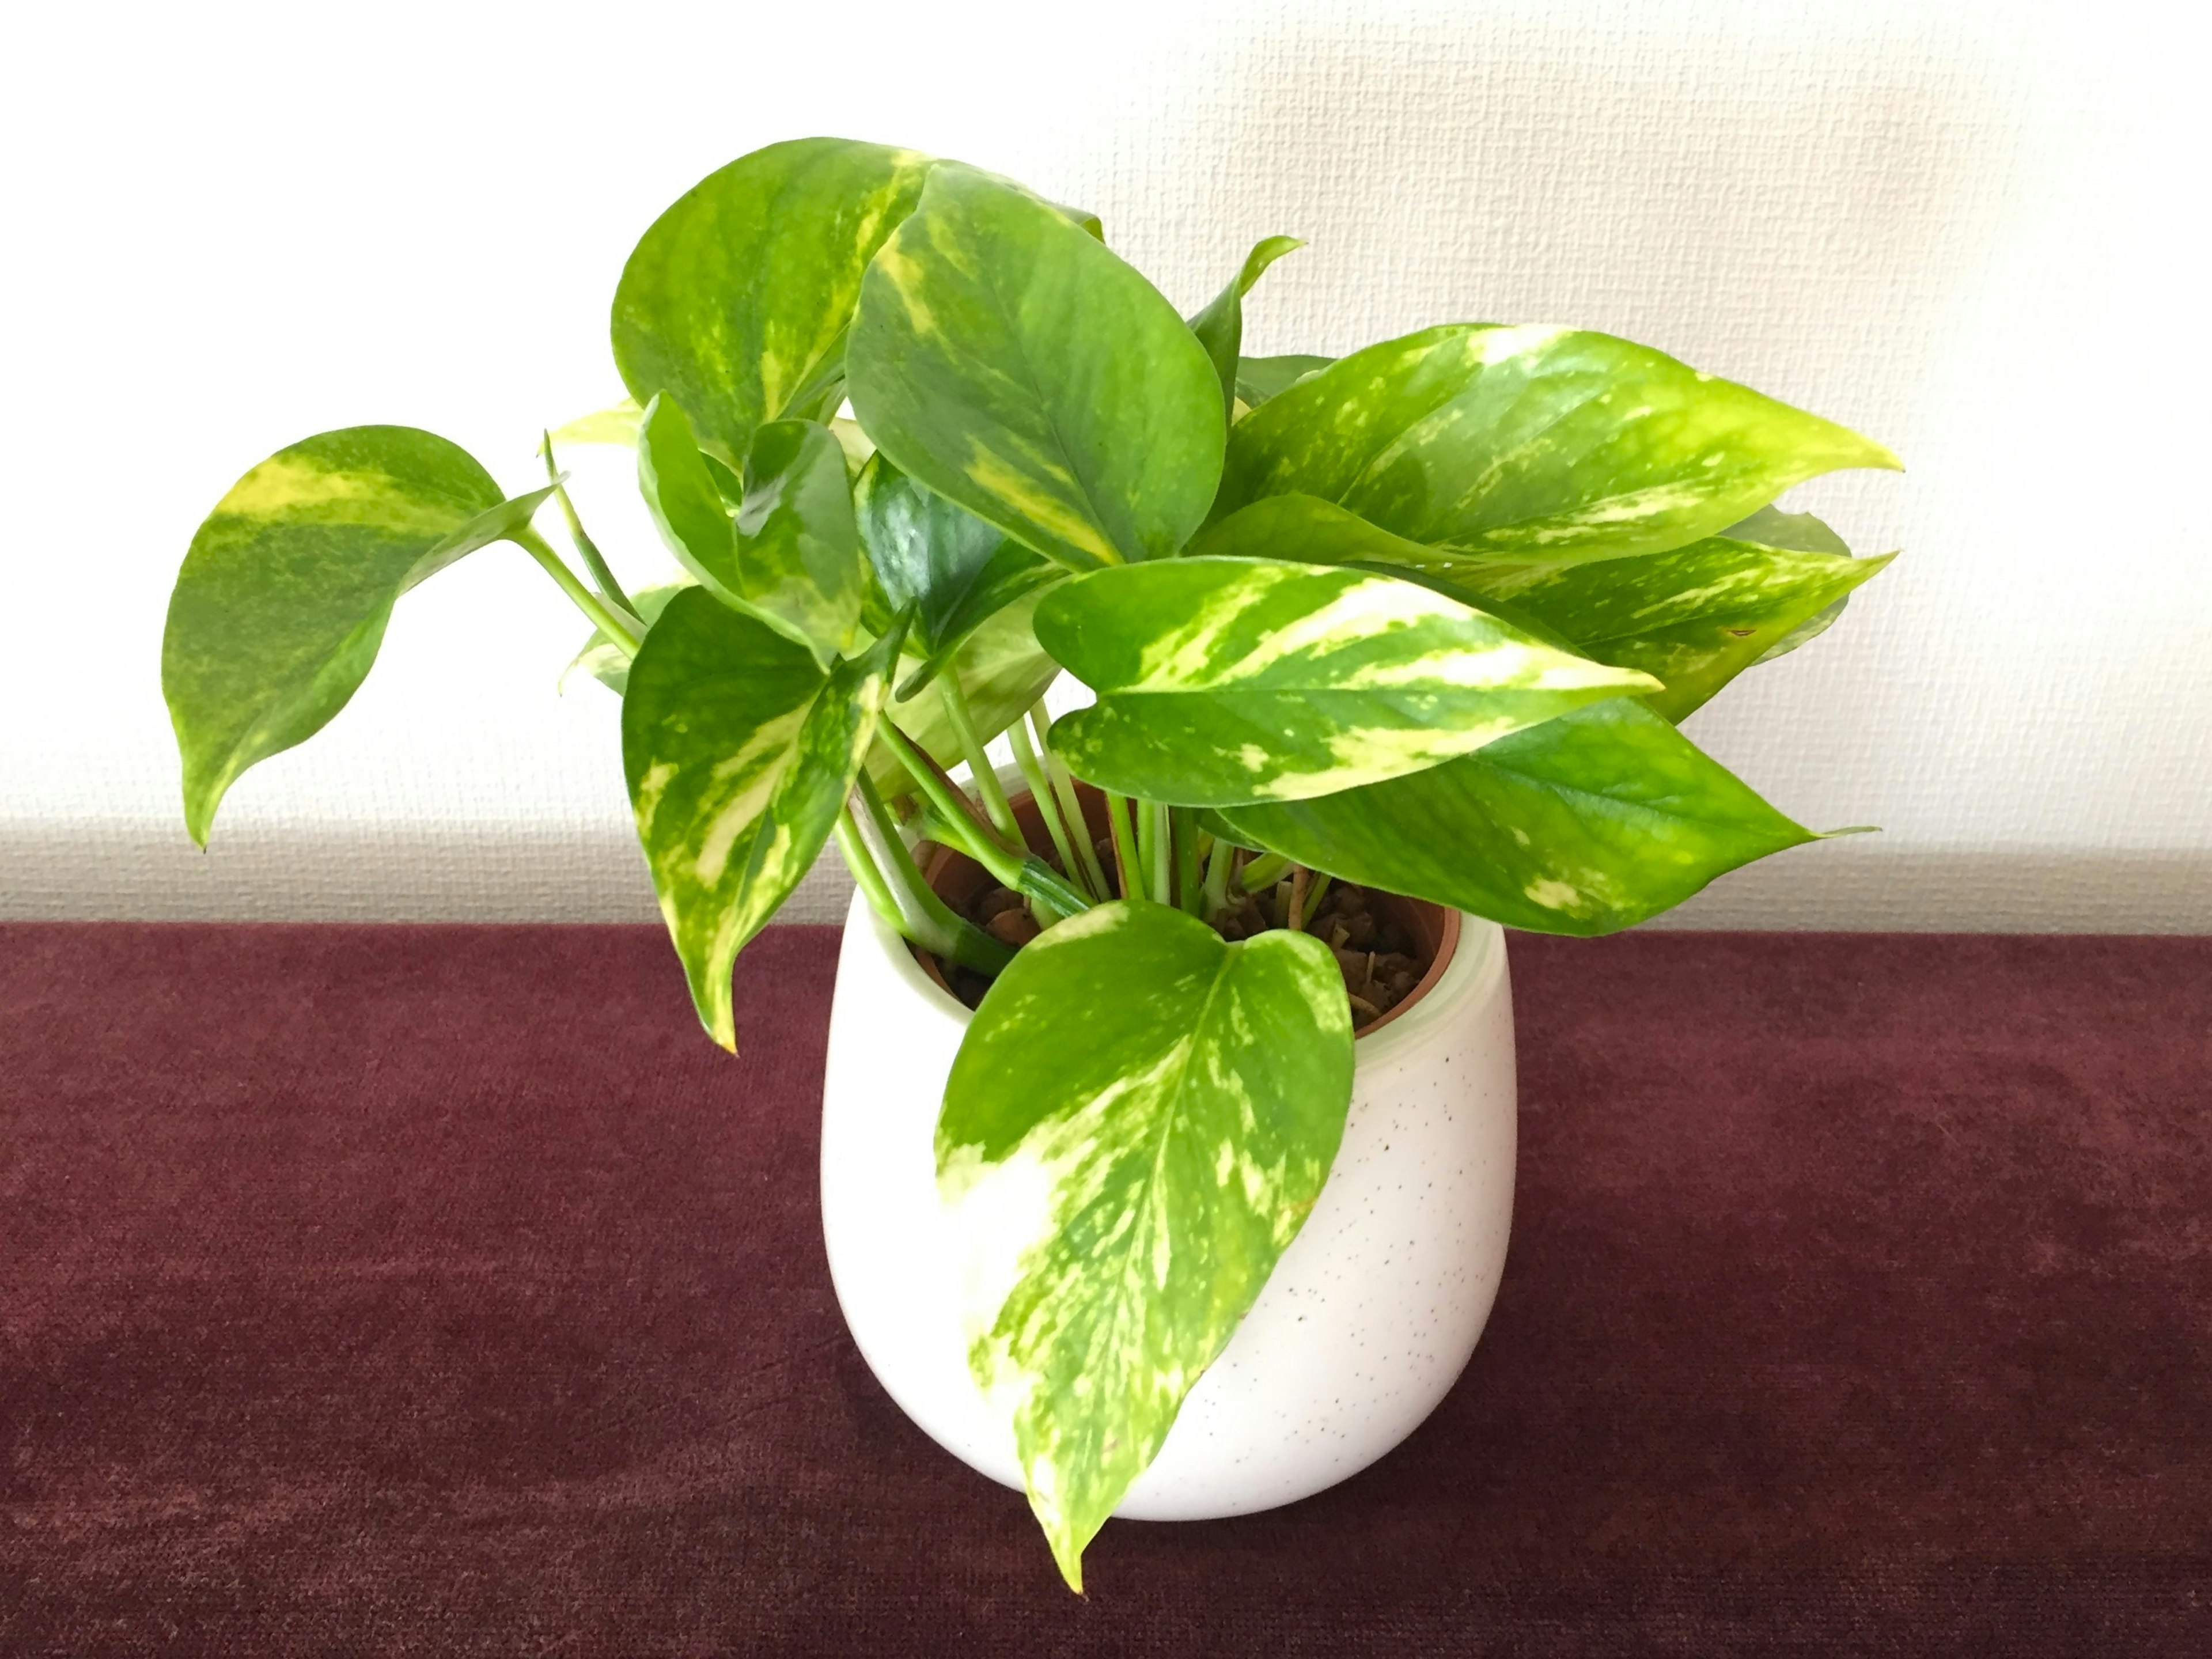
(953,570)
(1540,443)
(1137,1124)
(736,302)
(1585,824)
(792,556)
(1016,366)
(739,752)
(285,594)
(1226,681)
(1220,326)
(1259,379)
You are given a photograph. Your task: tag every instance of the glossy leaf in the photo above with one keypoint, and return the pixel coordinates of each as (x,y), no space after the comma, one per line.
(1003,672)
(1220,326)
(1139,1120)
(1538,443)
(1016,366)
(1311,531)
(1259,379)
(740,751)
(1223,681)
(791,557)
(951,568)
(1800,532)
(1693,618)
(1585,824)
(607,662)
(736,302)
(285,594)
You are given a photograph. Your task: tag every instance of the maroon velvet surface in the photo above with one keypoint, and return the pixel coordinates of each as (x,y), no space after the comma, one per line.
(420,1290)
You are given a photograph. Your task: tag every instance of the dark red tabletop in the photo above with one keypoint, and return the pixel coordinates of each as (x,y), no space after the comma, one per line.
(429,1290)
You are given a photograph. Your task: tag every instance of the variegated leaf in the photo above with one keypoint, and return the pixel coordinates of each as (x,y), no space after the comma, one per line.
(1003,672)
(1220,326)
(1227,681)
(1259,379)
(609,663)
(954,570)
(1140,1119)
(284,593)
(740,751)
(1015,365)
(792,556)
(1583,825)
(1540,443)
(736,302)
(1800,533)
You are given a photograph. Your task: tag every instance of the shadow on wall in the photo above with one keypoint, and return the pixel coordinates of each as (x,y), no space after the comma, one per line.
(495,873)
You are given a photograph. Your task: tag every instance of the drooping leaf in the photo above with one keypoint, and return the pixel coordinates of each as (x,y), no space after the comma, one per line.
(1583,825)
(1003,672)
(1220,326)
(1259,379)
(792,556)
(736,302)
(1694,617)
(1016,366)
(1225,681)
(1138,1122)
(285,594)
(607,662)
(954,571)
(740,751)
(1538,443)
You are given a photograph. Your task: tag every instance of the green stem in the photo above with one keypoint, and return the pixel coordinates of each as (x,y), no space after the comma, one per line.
(1316,890)
(1217,879)
(1071,805)
(929,922)
(1265,871)
(1125,843)
(979,758)
(1048,807)
(1023,873)
(1163,854)
(1182,827)
(1142,813)
(585,546)
(626,632)
(866,876)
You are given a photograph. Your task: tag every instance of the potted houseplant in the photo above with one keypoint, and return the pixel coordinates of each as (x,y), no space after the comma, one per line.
(1384,651)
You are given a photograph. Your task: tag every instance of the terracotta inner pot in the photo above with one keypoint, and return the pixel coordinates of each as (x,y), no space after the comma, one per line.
(959,880)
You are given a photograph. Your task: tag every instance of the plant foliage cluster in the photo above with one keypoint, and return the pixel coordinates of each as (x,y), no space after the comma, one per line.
(1422,617)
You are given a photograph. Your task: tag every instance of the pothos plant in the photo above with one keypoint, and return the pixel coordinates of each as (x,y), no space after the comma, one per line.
(1423,618)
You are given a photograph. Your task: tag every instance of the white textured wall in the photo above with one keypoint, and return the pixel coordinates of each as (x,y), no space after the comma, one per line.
(1969,231)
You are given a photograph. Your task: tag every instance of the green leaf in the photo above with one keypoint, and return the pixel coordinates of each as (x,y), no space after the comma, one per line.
(285,594)
(1014,365)
(1220,326)
(1544,444)
(791,556)
(736,302)
(1315,531)
(1585,824)
(739,752)
(1259,379)
(1138,1122)
(954,570)
(1227,681)
(1003,672)
(1693,618)
(615,425)
(607,662)
(1804,533)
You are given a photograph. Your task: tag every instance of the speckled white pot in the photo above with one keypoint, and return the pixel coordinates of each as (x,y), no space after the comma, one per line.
(1367,1321)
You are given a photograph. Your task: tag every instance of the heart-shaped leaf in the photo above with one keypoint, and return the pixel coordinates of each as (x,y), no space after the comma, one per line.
(1016,366)
(736,302)
(1220,326)
(1138,1122)
(1540,443)
(1585,824)
(1259,379)
(739,752)
(954,571)
(283,596)
(792,556)
(1228,681)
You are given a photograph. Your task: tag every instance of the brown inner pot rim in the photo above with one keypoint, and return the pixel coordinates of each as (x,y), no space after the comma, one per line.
(956,878)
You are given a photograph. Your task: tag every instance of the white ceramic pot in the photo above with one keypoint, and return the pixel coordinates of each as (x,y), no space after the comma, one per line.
(1369,1316)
